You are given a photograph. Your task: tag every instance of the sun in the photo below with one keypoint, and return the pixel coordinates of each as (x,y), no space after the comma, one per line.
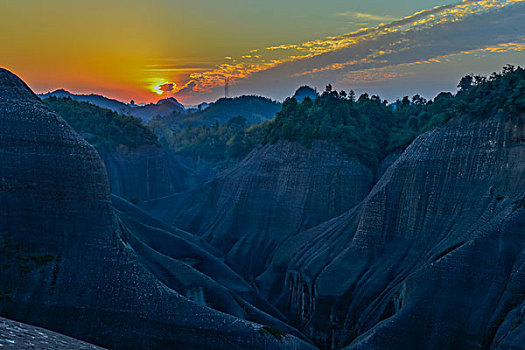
(157,89)
(162,85)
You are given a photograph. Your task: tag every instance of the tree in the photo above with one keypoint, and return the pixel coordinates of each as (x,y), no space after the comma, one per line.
(466,83)
(351,95)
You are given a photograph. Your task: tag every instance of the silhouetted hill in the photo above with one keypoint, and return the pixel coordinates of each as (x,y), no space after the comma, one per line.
(97,100)
(255,109)
(146,112)
(101,127)
(305,91)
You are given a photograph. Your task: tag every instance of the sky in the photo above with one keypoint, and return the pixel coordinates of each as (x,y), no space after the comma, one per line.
(147,50)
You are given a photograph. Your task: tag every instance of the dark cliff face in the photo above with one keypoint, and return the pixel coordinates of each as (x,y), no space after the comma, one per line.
(19,336)
(276,191)
(432,258)
(69,263)
(147,173)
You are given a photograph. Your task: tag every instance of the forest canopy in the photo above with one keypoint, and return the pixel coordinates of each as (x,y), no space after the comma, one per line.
(103,128)
(366,128)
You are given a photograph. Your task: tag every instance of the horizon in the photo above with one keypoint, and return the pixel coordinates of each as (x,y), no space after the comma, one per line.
(381,48)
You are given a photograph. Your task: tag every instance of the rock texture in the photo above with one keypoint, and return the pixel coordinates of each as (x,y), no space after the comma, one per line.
(17,336)
(433,258)
(192,268)
(276,191)
(147,173)
(69,263)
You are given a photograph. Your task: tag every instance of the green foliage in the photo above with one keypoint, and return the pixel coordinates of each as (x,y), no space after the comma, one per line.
(485,95)
(220,132)
(364,129)
(27,264)
(103,128)
(41,260)
(520,203)
(516,322)
(217,142)
(134,200)
(6,294)
(255,109)
(369,129)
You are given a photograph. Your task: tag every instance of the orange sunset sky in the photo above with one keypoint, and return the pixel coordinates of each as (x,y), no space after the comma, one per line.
(150,50)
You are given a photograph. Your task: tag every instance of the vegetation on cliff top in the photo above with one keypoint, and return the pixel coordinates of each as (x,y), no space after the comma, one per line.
(480,95)
(368,129)
(365,128)
(103,128)
(234,139)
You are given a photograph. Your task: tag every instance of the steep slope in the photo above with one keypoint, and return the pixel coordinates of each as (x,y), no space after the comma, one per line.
(148,172)
(433,258)
(192,268)
(276,191)
(65,257)
(18,336)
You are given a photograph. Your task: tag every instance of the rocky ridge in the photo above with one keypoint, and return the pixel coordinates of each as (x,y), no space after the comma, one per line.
(147,173)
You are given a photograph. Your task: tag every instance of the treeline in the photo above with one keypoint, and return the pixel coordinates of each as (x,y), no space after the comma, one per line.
(226,129)
(255,109)
(480,95)
(103,128)
(218,142)
(365,128)
(368,129)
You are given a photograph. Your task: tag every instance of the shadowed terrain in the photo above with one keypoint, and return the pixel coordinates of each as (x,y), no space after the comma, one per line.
(299,243)
(69,263)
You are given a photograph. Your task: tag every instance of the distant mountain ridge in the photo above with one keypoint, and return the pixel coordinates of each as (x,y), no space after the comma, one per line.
(255,109)
(146,112)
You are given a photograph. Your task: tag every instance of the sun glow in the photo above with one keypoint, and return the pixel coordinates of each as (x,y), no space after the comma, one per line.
(161,86)
(157,90)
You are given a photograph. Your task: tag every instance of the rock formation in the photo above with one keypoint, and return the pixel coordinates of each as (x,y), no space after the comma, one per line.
(69,262)
(147,173)
(18,336)
(433,258)
(276,191)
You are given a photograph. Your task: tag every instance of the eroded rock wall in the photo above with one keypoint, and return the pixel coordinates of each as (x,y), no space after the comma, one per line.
(432,258)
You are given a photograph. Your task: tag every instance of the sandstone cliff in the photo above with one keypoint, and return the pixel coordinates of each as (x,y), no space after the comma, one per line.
(276,191)
(433,258)
(148,172)
(18,336)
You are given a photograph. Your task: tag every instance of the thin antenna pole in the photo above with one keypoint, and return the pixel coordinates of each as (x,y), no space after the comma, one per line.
(226,87)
